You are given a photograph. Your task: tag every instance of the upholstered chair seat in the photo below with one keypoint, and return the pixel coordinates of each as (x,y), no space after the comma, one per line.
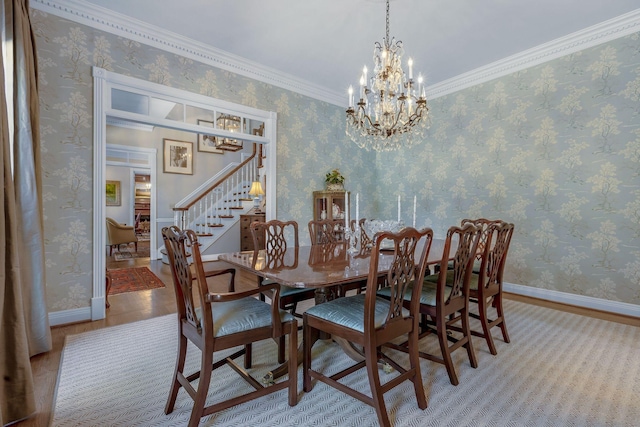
(368,322)
(233,317)
(349,312)
(427,295)
(215,321)
(444,300)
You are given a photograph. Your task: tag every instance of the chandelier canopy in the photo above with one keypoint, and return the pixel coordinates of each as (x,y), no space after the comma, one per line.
(391,112)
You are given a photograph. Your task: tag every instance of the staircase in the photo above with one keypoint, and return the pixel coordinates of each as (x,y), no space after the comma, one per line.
(214,207)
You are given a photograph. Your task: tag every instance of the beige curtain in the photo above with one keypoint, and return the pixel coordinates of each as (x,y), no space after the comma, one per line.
(24,326)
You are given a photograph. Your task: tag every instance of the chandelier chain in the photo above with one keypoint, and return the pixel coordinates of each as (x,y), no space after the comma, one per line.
(387,23)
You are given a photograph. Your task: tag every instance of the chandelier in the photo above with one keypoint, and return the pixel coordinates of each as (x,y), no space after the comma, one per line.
(391,112)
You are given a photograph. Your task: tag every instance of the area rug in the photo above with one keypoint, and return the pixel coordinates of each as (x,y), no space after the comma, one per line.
(125,252)
(560,369)
(133,279)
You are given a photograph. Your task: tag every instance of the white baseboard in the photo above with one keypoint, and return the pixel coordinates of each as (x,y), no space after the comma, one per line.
(576,300)
(69,316)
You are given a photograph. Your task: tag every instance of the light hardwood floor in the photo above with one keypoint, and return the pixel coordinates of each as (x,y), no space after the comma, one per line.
(134,306)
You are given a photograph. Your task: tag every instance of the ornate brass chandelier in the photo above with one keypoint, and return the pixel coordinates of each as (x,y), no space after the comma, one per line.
(392,112)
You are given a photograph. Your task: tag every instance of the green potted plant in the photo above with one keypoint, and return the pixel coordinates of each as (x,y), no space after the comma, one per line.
(334,180)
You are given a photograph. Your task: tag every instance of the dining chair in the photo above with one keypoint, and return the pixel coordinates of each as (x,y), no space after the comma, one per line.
(323,231)
(444,300)
(274,235)
(329,231)
(217,321)
(368,321)
(485,288)
(483,223)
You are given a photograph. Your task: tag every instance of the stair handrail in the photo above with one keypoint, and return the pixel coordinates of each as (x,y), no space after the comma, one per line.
(220,181)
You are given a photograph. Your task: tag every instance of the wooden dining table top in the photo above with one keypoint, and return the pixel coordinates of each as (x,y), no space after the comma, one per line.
(319,266)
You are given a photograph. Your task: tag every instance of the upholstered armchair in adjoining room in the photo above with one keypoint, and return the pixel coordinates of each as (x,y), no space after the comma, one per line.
(118,234)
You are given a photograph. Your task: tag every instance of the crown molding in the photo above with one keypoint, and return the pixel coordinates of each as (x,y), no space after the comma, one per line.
(597,34)
(115,23)
(124,26)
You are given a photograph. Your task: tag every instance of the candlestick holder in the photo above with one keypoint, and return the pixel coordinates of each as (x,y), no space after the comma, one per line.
(351,237)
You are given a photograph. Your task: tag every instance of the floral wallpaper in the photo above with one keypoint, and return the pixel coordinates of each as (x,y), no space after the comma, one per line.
(554,148)
(311,139)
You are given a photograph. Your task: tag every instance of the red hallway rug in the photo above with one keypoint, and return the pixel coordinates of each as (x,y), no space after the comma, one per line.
(133,279)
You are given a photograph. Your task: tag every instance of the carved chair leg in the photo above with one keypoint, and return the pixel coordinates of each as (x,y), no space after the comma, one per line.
(107,289)
(441,331)
(484,321)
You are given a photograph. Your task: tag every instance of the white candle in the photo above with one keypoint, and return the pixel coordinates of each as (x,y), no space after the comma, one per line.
(364,73)
(346,209)
(357,208)
(410,68)
(398,208)
(415,200)
(350,96)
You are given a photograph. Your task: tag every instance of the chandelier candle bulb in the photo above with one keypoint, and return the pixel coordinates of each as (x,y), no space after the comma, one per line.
(410,68)
(398,208)
(350,96)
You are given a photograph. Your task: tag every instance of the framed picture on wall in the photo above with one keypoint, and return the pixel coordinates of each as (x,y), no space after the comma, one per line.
(112,192)
(207,143)
(178,157)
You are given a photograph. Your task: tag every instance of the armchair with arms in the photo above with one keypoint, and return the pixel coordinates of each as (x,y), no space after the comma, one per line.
(219,321)
(118,234)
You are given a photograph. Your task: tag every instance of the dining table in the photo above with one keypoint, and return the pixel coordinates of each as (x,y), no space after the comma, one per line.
(321,267)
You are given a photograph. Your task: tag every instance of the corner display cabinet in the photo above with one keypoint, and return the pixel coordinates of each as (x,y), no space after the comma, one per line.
(328,205)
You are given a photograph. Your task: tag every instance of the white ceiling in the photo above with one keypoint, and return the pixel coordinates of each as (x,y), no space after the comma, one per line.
(327,42)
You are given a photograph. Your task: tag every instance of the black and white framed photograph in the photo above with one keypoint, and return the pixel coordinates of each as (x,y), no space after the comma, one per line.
(178,157)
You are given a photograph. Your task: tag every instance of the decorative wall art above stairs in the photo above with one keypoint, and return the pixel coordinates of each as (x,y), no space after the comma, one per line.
(213,208)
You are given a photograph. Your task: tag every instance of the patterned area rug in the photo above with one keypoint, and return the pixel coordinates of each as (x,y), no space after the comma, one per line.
(133,279)
(125,252)
(560,369)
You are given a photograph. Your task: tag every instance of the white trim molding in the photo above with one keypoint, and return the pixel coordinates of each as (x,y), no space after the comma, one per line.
(611,29)
(74,315)
(575,300)
(125,26)
(115,23)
